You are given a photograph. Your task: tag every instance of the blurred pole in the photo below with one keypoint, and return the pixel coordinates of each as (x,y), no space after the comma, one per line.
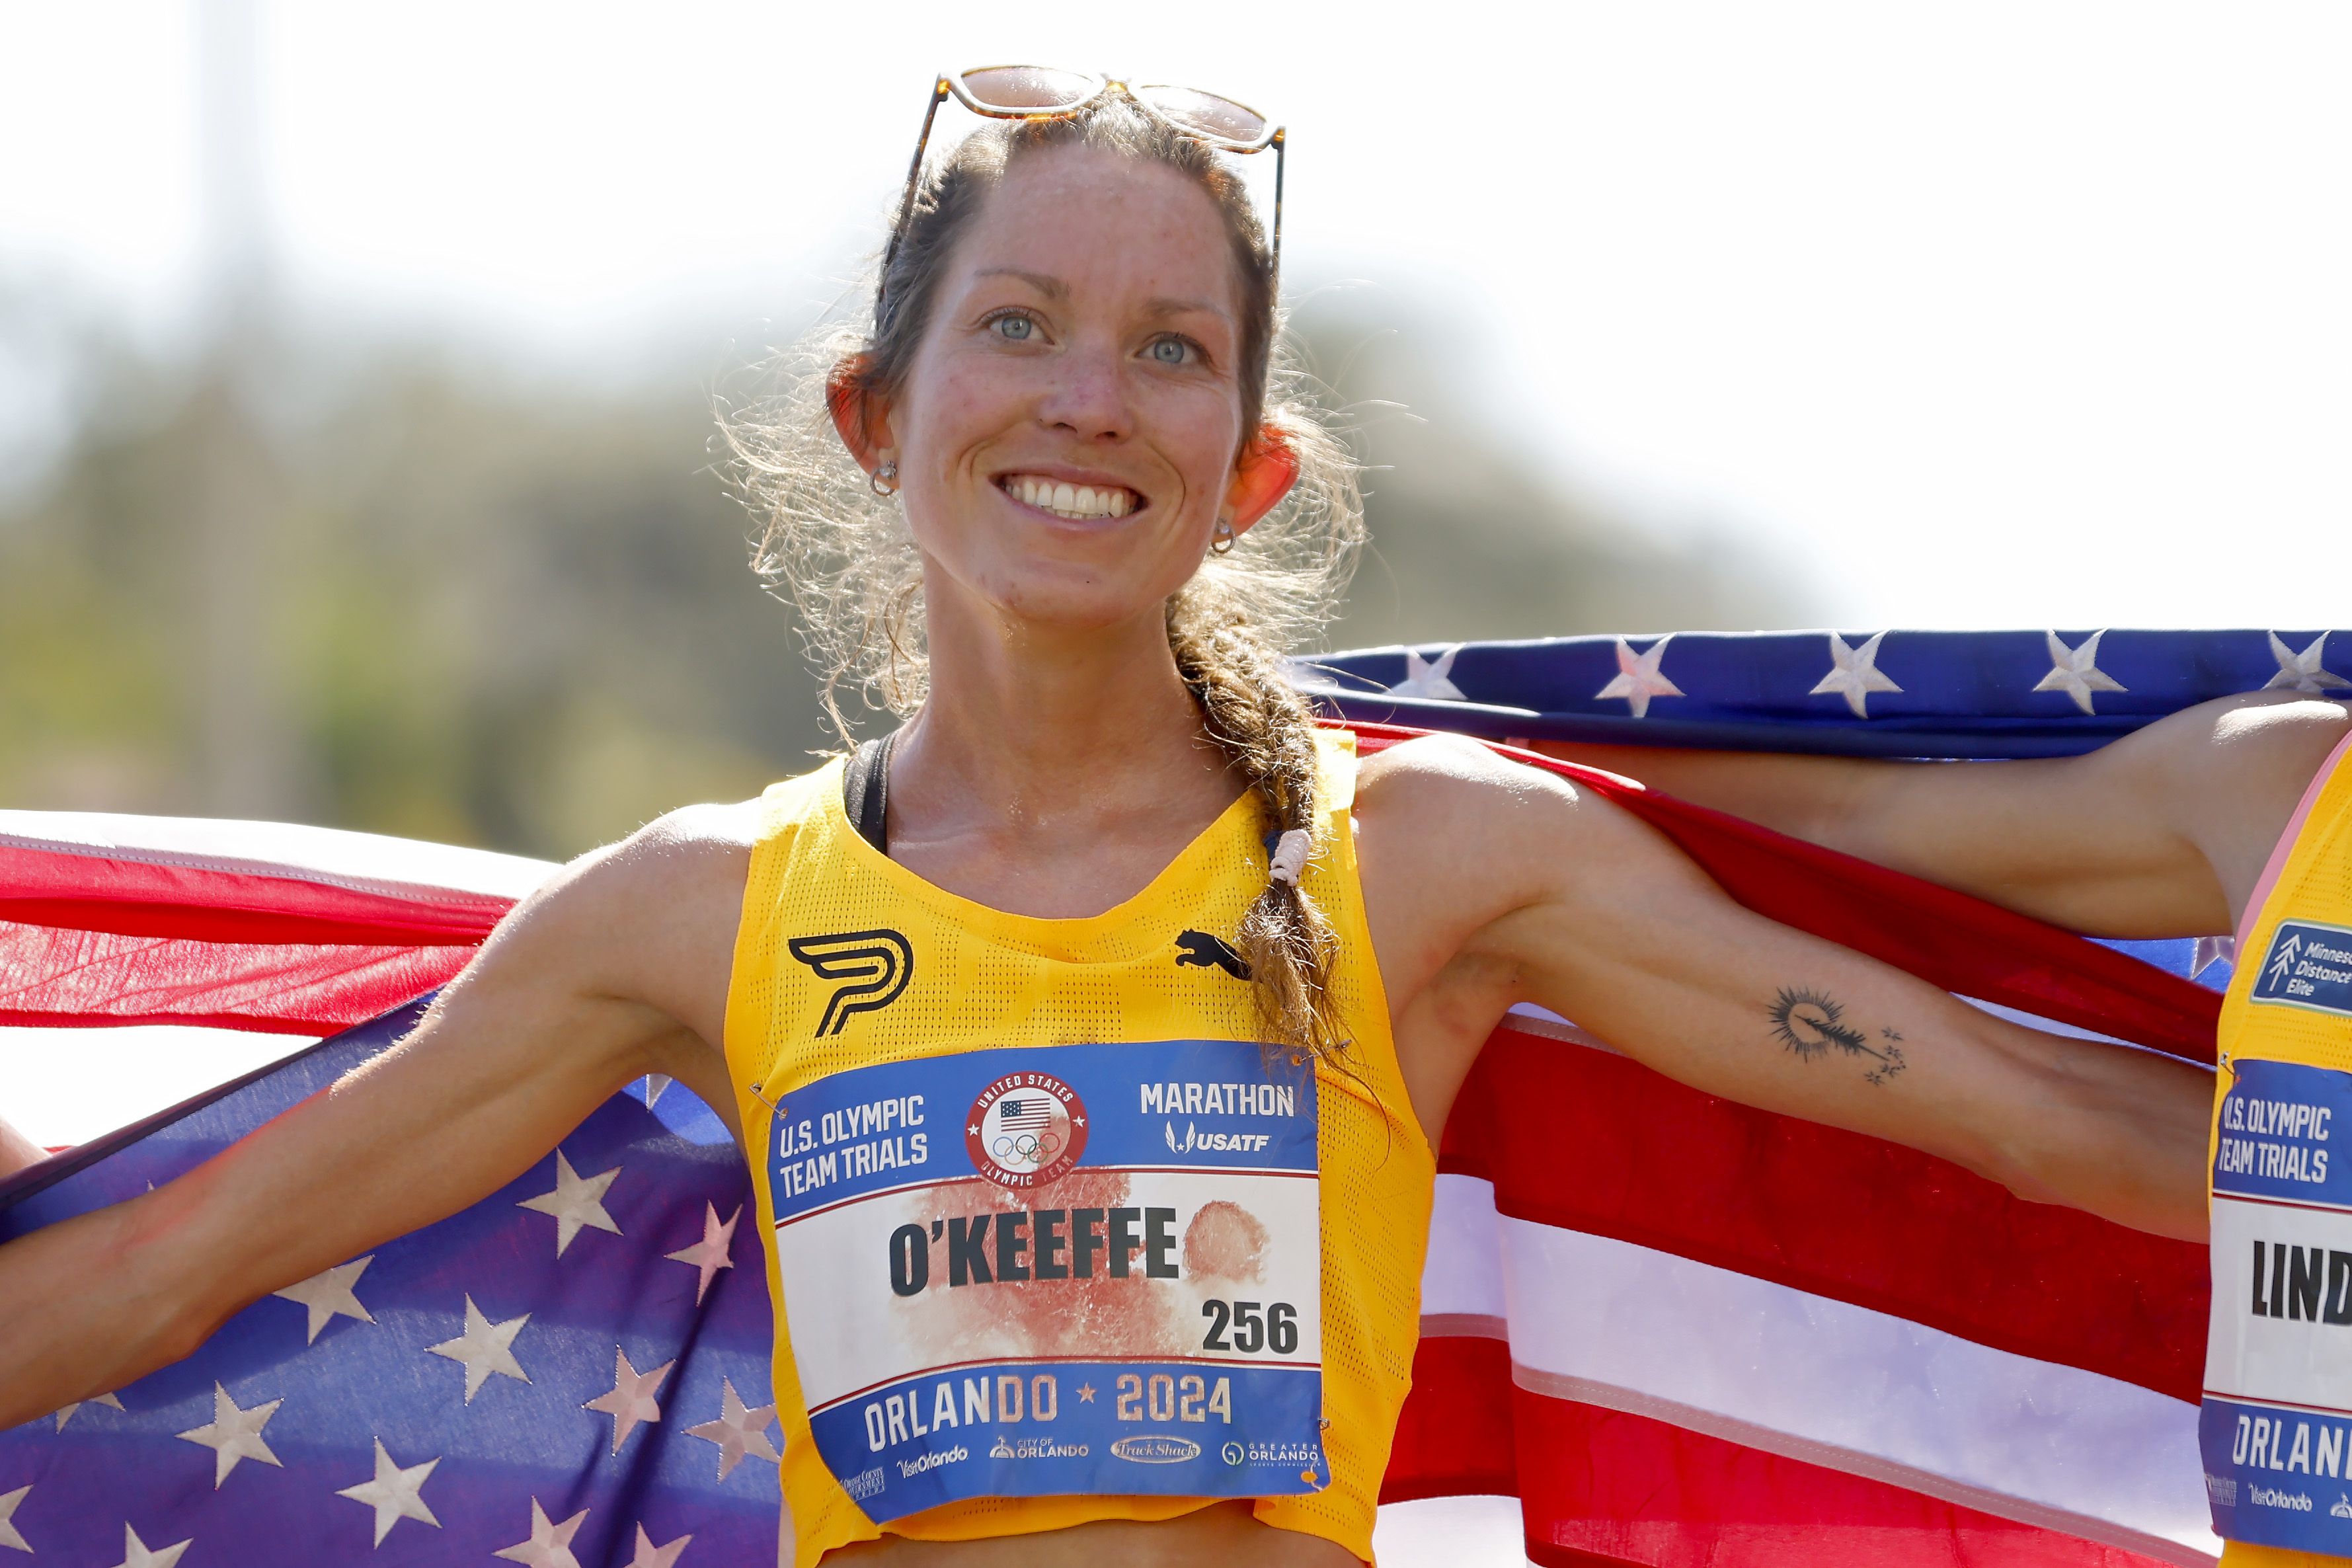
(250,756)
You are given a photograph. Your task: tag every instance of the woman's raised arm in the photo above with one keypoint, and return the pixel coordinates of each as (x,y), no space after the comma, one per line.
(1560,898)
(616,968)
(2162,833)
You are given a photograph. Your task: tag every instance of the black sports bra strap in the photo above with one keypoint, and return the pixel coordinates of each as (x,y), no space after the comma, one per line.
(866,791)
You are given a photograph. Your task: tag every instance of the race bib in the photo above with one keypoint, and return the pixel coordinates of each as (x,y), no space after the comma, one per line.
(1077,1269)
(2276,1426)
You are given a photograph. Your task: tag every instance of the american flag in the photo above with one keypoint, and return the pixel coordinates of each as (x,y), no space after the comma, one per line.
(1864,693)
(1025,1115)
(573,1371)
(1680,1331)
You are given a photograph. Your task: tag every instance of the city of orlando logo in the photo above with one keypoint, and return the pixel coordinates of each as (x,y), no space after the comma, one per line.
(1025,1129)
(874,967)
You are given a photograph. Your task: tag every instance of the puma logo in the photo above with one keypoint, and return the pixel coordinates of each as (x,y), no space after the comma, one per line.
(1199,950)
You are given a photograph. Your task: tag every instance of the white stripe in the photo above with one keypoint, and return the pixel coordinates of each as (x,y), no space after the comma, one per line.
(1646,1330)
(365,862)
(70,1085)
(1462,1293)
(1463,1275)
(1451,1533)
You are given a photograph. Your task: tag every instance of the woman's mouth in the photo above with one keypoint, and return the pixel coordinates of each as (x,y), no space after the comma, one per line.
(1080,504)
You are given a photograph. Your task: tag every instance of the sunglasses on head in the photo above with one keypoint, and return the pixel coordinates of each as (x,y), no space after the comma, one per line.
(1048,93)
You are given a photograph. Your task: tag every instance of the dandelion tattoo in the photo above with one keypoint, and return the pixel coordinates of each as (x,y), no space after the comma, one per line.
(1812,1023)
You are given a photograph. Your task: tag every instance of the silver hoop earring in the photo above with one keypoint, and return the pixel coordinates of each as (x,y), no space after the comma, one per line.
(884,480)
(1223,538)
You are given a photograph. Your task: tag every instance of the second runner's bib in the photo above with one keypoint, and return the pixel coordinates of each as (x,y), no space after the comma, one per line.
(2276,1423)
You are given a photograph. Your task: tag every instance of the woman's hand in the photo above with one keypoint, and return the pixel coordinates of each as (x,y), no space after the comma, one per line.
(617,968)
(1509,885)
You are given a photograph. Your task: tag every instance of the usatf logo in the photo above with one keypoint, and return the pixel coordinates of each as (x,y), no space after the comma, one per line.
(1025,1129)
(1215,1142)
(2308,966)
(875,966)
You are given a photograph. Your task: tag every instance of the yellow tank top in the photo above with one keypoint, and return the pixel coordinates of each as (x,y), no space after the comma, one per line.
(1051,1236)
(2276,1423)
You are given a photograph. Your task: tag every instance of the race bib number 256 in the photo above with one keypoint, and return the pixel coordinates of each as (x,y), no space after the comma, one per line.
(1069,1269)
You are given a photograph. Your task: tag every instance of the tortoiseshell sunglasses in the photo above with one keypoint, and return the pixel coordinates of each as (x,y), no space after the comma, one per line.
(1048,93)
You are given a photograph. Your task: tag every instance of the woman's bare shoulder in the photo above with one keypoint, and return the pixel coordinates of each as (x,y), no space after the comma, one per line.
(1438,781)
(650,918)
(1458,833)
(686,856)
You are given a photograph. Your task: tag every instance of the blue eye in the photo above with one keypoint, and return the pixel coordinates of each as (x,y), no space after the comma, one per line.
(1015,329)
(1171,351)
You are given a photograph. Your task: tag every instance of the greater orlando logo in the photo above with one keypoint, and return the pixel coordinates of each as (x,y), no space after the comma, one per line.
(872,966)
(1025,1129)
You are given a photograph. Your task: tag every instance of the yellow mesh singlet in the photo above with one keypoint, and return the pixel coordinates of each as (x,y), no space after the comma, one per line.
(981,979)
(2313,882)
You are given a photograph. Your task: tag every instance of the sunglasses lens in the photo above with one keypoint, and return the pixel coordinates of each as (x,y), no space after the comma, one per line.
(1028,87)
(1206,114)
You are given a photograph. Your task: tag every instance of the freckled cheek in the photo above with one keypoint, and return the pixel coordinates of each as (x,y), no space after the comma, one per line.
(1199,436)
(961,404)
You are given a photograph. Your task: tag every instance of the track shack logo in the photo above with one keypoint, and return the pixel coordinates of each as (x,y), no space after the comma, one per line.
(1025,1129)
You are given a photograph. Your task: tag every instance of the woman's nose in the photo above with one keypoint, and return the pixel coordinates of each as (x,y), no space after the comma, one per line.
(1089,398)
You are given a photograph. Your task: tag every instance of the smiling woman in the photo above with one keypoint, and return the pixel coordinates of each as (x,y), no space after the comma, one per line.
(1131,203)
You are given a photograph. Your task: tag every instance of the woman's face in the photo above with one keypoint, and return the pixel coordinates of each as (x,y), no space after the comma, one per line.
(1066,434)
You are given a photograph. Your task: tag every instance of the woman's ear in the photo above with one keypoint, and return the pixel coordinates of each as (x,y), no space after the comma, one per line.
(1268,469)
(862,419)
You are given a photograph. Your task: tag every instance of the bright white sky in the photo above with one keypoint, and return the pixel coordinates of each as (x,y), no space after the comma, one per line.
(1993,314)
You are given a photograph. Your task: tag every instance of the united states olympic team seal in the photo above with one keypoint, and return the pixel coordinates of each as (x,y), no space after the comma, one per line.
(1025,1129)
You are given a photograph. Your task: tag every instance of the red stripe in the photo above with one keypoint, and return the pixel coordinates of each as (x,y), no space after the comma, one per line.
(51,977)
(1454,1438)
(1586,1141)
(1608,1487)
(1959,942)
(251,1024)
(1603,1487)
(95,892)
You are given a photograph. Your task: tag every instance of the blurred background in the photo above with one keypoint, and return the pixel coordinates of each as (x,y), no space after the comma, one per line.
(357,364)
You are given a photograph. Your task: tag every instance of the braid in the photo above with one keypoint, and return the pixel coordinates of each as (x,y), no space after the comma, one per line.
(1267,735)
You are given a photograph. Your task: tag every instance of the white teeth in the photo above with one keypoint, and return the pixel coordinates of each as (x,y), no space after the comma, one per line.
(1075,501)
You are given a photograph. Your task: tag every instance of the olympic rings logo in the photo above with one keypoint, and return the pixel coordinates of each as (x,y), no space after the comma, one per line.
(1026,1148)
